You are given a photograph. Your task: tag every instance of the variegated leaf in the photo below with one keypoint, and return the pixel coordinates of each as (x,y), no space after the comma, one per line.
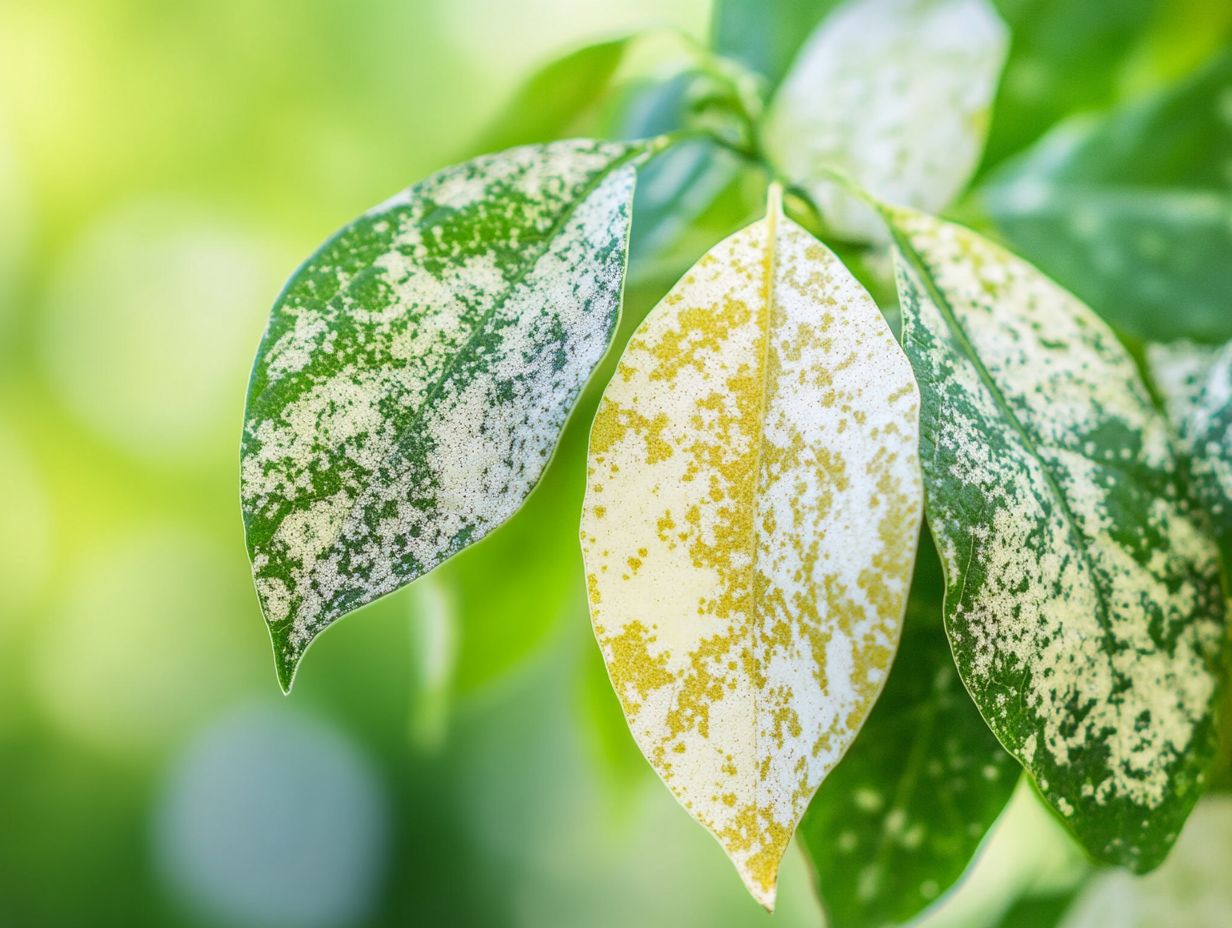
(749,528)
(417,371)
(1082,601)
(895,94)
(1196,382)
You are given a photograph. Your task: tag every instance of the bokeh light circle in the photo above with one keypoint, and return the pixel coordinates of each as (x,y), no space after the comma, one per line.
(276,820)
(152,320)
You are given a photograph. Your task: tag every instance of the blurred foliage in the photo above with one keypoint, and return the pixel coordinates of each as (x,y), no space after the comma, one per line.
(162,168)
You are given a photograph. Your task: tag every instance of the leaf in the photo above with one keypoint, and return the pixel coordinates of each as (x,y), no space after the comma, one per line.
(1197,386)
(1082,596)
(417,371)
(749,528)
(1067,56)
(764,37)
(1191,889)
(1133,211)
(896,823)
(1196,383)
(893,93)
(552,99)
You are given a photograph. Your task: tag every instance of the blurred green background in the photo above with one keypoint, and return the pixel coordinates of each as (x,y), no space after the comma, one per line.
(454,755)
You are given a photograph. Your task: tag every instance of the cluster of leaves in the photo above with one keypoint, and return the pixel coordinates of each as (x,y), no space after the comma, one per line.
(760,462)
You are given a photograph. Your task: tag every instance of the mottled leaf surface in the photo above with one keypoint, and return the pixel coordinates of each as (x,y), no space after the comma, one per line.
(1197,386)
(417,371)
(1133,211)
(894,94)
(1082,595)
(749,527)
(896,823)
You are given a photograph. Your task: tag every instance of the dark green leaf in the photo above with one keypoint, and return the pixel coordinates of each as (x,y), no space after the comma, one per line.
(1082,593)
(1133,211)
(896,823)
(417,372)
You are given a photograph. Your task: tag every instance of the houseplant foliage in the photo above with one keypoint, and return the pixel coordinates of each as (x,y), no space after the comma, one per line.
(763,454)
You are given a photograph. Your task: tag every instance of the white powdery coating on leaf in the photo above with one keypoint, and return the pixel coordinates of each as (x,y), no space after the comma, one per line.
(894,93)
(752,505)
(419,370)
(1080,586)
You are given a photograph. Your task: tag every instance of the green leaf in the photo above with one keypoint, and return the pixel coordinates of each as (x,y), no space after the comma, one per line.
(1082,595)
(1066,56)
(417,371)
(1133,211)
(898,821)
(552,99)
(764,37)
(894,94)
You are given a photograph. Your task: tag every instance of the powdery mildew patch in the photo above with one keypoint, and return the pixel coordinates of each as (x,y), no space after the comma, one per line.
(894,93)
(1082,594)
(417,371)
(897,823)
(750,522)
(1196,384)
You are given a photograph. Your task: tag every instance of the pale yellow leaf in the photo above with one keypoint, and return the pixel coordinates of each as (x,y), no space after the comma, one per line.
(752,507)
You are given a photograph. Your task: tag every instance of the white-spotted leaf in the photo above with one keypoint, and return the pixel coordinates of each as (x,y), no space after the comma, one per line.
(1196,383)
(896,95)
(1082,594)
(750,522)
(417,371)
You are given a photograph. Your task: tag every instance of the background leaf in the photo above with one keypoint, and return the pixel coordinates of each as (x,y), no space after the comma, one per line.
(765,37)
(896,823)
(749,528)
(1066,57)
(417,371)
(1083,600)
(895,94)
(551,101)
(1133,211)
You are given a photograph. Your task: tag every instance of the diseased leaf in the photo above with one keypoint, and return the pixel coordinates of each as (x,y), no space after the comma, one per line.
(1196,384)
(749,527)
(1200,406)
(417,371)
(894,94)
(552,99)
(1083,600)
(896,823)
(1133,211)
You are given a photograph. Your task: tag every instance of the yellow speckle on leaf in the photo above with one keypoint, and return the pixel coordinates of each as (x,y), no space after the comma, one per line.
(737,515)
